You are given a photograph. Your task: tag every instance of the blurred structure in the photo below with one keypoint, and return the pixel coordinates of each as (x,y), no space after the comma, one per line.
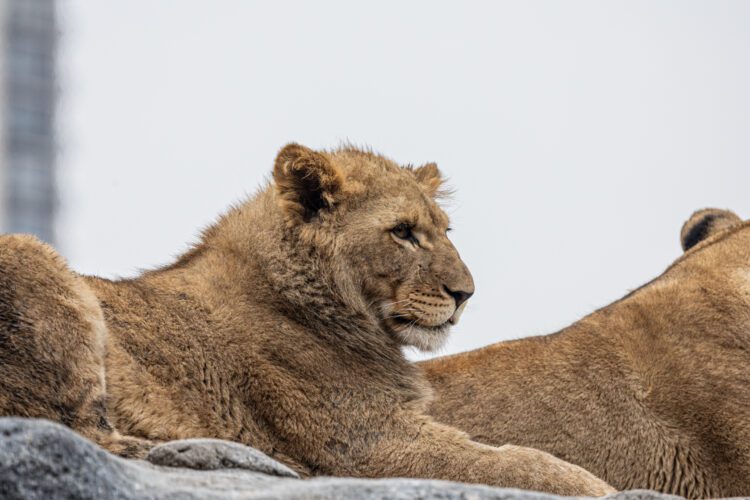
(28,195)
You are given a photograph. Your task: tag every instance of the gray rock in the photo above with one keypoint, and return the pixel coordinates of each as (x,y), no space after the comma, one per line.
(43,460)
(214,454)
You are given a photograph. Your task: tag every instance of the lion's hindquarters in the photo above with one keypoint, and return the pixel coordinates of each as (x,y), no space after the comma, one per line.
(52,339)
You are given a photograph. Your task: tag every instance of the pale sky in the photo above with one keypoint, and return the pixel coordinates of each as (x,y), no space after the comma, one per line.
(579,135)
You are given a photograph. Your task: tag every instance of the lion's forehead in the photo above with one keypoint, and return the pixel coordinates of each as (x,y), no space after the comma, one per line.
(393,188)
(439,217)
(417,208)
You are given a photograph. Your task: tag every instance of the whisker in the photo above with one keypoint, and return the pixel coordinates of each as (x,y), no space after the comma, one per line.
(397,316)
(391,304)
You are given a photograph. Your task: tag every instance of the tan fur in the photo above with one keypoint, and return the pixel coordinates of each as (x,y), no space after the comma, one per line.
(282,330)
(652,391)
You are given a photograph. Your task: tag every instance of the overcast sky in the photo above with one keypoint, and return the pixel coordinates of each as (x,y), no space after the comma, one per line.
(578,135)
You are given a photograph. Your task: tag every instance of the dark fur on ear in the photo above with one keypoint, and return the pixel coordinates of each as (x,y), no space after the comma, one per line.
(430,177)
(705,223)
(306,181)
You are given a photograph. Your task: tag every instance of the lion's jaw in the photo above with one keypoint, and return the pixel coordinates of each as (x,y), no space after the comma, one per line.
(421,319)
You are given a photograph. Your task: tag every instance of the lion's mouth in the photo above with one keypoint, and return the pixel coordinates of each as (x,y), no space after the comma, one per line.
(457,313)
(414,323)
(403,321)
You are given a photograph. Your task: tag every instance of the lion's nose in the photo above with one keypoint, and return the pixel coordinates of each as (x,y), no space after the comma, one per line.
(458,295)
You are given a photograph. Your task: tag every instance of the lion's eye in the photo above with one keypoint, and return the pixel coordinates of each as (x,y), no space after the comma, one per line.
(403,231)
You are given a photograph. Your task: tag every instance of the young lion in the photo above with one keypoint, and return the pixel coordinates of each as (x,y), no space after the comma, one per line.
(282,329)
(652,391)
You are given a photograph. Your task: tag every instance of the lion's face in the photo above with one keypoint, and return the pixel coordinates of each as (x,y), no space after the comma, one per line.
(385,232)
(397,243)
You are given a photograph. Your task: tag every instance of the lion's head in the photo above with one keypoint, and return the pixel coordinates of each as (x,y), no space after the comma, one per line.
(380,226)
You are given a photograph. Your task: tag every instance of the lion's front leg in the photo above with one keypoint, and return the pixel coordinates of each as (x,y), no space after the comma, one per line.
(417,447)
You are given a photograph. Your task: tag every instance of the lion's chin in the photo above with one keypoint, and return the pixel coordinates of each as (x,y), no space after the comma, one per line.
(426,339)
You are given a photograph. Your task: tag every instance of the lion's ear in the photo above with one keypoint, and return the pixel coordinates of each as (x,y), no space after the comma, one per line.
(430,177)
(705,223)
(306,181)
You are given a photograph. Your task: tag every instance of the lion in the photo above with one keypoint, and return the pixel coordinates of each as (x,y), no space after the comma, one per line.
(652,391)
(282,329)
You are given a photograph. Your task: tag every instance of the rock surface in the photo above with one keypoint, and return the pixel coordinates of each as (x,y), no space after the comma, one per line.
(215,454)
(43,460)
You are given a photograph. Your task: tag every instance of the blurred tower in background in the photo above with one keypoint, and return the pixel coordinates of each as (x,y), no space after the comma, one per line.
(28,195)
